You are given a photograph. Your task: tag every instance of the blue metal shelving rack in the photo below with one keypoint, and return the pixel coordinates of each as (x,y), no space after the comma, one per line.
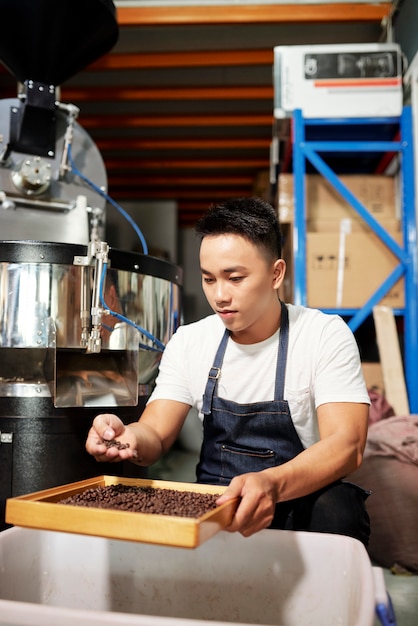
(307,148)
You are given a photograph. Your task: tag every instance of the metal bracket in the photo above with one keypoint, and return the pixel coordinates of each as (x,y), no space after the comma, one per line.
(6,437)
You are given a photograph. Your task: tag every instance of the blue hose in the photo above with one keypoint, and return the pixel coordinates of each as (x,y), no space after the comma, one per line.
(160,346)
(110,200)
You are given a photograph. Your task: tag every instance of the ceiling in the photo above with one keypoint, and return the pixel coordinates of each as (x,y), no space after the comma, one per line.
(182,107)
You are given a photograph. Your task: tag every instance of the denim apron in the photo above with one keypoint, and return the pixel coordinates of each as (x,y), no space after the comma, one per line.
(240,438)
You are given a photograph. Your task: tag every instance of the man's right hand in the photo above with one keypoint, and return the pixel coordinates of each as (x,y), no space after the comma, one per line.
(110,440)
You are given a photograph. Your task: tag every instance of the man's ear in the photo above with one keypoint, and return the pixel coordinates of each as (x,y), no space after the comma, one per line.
(111,297)
(279,271)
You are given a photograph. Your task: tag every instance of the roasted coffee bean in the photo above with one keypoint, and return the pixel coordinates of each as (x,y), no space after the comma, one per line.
(145,500)
(110,443)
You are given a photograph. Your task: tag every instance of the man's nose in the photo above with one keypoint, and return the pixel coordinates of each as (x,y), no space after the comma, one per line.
(221,292)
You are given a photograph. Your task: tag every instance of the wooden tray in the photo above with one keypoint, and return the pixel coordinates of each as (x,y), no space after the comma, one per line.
(41,510)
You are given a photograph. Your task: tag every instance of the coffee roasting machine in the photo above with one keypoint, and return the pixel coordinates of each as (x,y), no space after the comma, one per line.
(82,325)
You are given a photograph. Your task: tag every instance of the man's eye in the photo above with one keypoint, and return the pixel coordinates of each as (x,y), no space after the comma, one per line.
(236,279)
(207,280)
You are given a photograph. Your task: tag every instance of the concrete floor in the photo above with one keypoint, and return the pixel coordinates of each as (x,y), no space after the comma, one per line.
(403,591)
(179,465)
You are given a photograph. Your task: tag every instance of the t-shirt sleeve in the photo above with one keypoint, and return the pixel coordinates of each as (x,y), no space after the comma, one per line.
(338,372)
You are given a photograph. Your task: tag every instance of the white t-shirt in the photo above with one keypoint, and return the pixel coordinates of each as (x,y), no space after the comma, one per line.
(323,365)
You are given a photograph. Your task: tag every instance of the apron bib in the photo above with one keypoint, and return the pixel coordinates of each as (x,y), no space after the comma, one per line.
(240,438)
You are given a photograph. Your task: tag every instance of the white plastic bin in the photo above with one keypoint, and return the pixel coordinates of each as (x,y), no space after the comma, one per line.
(274,577)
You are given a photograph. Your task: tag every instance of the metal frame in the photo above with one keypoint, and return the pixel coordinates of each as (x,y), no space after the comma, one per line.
(303,150)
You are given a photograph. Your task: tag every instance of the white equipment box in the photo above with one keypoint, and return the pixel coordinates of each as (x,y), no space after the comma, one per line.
(344,80)
(274,577)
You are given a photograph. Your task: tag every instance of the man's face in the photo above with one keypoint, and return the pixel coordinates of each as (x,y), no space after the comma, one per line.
(241,285)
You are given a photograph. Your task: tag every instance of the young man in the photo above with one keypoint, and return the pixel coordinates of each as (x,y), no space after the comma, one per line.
(279,387)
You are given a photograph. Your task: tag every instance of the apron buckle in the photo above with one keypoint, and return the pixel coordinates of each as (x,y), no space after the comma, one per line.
(215,373)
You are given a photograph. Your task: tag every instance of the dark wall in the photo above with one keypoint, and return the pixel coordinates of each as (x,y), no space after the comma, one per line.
(405,28)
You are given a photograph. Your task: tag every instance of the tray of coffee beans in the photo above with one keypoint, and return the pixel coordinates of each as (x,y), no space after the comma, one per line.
(132,509)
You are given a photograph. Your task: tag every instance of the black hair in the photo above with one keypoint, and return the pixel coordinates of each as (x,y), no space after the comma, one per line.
(251,218)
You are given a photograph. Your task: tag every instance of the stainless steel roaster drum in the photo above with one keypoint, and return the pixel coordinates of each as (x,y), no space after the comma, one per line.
(51,385)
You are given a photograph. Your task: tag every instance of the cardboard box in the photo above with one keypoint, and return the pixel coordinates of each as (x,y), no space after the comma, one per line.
(366,263)
(355,225)
(338,80)
(324,204)
(373,376)
(376,193)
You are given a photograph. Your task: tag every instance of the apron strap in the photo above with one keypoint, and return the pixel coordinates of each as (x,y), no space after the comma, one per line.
(214,373)
(282,354)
